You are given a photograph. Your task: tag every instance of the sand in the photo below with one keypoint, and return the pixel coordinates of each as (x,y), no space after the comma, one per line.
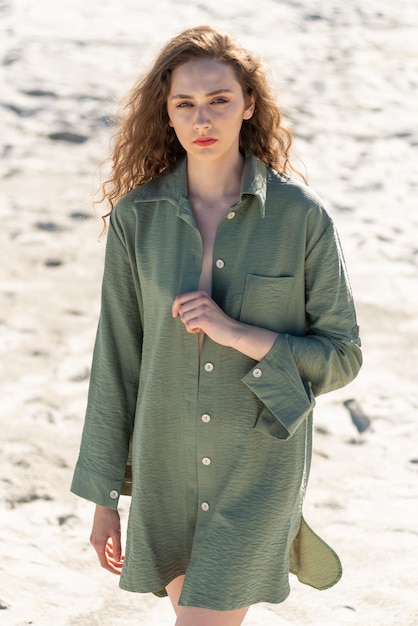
(347,76)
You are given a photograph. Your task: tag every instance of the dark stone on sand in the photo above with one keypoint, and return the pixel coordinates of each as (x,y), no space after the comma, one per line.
(79,215)
(67,136)
(20,111)
(28,498)
(53,262)
(359,419)
(11,56)
(314,17)
(63,519)
(51,227)
(40,93)
(402,134)
(7,148)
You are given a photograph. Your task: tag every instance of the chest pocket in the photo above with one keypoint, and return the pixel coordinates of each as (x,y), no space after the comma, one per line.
(267,302)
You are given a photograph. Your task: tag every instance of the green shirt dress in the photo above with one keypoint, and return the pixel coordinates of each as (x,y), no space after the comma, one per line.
(221,446)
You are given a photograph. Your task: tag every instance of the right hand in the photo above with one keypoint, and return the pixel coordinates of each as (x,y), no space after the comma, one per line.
(106,539)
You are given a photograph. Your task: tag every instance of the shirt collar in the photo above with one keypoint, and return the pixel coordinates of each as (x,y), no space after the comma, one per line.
(173,186)
(254,181)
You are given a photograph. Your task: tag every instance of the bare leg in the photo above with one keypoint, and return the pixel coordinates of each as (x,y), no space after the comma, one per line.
(174,591)
(196,616)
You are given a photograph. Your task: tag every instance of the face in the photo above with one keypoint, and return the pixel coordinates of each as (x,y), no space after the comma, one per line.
(206,108)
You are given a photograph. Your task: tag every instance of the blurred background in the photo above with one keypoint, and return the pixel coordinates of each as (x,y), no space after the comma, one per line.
(346,75)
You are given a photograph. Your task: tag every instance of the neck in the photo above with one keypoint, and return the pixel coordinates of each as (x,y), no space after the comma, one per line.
(211,180)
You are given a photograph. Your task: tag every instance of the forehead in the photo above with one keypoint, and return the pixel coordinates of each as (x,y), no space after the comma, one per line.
(203,75)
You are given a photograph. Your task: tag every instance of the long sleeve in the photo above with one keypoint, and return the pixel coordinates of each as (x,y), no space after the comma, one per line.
(328,357)
(114,377)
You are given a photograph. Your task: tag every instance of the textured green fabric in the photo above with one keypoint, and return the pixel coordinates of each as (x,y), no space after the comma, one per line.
(221,450)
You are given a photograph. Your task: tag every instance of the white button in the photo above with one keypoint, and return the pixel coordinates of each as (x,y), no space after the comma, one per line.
(209,367)
(205,506)
(206,460)
(114,494)
(220,263)
(231,215)
(257,372)
(205,418)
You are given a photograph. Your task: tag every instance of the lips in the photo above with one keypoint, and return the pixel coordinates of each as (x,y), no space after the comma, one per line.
(204,142)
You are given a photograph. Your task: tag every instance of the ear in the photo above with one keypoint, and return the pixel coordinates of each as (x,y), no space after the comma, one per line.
(170,123)
(250,106)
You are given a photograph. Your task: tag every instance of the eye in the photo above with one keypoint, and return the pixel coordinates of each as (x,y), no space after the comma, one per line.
(182,105)
(219,100)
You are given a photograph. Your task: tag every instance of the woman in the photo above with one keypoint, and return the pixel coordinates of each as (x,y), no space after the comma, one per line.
(226,309)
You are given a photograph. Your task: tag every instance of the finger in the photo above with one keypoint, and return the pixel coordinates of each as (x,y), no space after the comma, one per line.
(189,314)
(108,561)
(111,559)
(111,553)
(178,302)
(114,546)
(199,307)
(198,314)
(192,322)
(105,553)
(100,548)
(184,299)
(175,308)
(113,564)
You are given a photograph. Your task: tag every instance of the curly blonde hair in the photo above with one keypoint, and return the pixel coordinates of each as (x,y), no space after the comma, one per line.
(145,146)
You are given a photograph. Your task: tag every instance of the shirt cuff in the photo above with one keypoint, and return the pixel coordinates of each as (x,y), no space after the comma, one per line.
(276,381)
(98,489)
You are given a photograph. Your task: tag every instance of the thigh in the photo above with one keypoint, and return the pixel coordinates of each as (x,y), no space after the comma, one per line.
(195,616)
(174,590)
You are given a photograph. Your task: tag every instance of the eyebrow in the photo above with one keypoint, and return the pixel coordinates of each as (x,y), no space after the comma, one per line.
(182,96)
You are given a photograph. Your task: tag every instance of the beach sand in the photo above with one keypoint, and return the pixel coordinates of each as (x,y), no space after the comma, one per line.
(347,77)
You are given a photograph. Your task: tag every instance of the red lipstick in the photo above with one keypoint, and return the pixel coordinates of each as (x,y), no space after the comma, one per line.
(204,142)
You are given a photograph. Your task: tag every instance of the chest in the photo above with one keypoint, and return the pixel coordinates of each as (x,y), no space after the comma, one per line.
(252,267)
(208,219)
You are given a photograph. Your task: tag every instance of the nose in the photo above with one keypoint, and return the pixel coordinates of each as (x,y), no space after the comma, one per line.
(201,119)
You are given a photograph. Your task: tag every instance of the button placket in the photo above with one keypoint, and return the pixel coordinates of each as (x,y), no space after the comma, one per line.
(205,424)
(205,461)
